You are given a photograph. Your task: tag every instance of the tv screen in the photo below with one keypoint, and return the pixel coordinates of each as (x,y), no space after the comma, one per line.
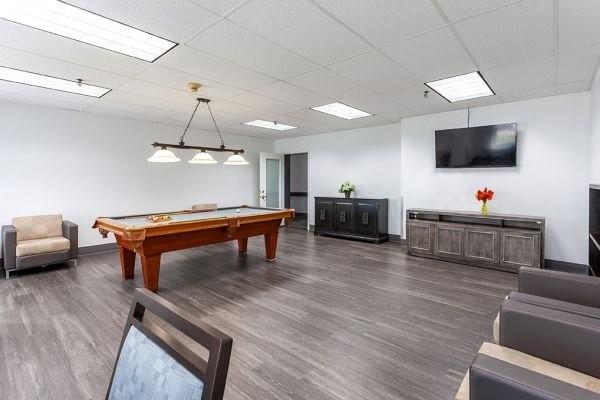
(477,147)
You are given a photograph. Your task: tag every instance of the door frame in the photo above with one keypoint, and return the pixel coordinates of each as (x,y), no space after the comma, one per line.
(309,203)
(262,180)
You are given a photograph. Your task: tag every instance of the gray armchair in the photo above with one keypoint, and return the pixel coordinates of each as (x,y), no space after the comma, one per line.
(38,241)
(546,342)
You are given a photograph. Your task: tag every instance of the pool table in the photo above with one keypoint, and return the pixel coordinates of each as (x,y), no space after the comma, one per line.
(189,228)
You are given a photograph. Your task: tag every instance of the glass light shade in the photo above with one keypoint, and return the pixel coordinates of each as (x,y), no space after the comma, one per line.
(164,156)
(236,159)
(203,158)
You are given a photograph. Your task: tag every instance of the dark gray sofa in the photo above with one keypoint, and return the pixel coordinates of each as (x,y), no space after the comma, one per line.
(38,241)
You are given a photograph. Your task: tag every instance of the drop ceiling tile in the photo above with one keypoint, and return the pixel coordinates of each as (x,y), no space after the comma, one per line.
(160,92)
(578,23)
(461,9)
(140,114)
(578,65)
(221,7)
(431,56)
(384,21)
(31,40)
(236,108)
(178,80)
(117,98)
(373,120)
(296,95)
(519,77)
(59,69)
(511,34)
(19,93)
(573,87)
(343,90)
(301,27)
(479,102)
(204,65)
(544,91)
(323,119)
(173,20)
(244,47)
(397,115)
(374,71)
(265,103)
(202,119)
(413,99)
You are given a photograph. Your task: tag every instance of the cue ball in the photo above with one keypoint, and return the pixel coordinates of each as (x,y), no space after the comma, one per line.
(238,211)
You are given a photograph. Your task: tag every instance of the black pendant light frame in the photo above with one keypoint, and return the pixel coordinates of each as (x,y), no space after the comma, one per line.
(182,145)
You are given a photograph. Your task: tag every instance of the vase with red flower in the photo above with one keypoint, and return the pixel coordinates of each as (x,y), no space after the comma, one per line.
(484,196)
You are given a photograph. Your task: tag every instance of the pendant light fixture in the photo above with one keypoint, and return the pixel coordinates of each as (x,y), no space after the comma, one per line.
(164,155)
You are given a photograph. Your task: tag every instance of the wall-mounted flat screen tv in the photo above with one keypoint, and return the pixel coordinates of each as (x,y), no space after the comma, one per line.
(477,147)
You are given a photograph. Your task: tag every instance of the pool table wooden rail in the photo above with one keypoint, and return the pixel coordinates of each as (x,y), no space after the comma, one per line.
(153,239)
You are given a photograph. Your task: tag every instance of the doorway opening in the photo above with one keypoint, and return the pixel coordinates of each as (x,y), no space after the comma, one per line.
(296,187)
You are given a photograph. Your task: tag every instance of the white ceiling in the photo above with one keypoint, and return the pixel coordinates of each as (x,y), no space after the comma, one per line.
(274,59)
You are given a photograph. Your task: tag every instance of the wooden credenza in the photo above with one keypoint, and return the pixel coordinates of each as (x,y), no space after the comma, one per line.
(497,241)
(355,218)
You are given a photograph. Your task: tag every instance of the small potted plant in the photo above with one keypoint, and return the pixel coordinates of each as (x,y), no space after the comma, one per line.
(484,196)
(347,188)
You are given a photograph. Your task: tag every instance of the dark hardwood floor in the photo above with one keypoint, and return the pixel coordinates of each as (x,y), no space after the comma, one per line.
(331,319)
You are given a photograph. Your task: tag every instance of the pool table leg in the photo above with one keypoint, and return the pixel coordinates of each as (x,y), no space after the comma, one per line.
(150,271)
(127,262)
(271,246)
(243,245)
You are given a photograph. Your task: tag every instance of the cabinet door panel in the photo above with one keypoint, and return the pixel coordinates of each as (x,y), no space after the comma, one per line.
(449,241)
(420,237)
(344,216)
(366,218)
(324,214)
(482,245)
(520,249)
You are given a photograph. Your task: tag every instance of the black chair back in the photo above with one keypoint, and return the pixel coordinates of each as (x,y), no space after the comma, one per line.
(152,360)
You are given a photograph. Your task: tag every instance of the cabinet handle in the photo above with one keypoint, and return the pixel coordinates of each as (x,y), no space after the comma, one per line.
(343,217)
(322,214)
(364,218)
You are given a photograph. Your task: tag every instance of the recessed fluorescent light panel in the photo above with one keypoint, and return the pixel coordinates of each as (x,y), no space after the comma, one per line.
(342,111)
(462,87)
(48,82)
(76,23)
(270,125)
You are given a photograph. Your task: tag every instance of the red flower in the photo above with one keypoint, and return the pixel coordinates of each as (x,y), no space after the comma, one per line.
(484,195)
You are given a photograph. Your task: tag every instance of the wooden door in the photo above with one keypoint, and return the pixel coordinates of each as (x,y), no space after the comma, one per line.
(366,218)
(344,216)
(520,249)
(420,236)
(449,240)
(324,214)
(482,245)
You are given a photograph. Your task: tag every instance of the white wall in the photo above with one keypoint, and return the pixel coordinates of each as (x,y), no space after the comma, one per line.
(367,157)
(595,130)
(398,161)
(84,166)
(550,179)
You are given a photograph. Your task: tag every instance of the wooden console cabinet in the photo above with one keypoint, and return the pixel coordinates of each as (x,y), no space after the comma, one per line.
(362,219)
(497,241)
